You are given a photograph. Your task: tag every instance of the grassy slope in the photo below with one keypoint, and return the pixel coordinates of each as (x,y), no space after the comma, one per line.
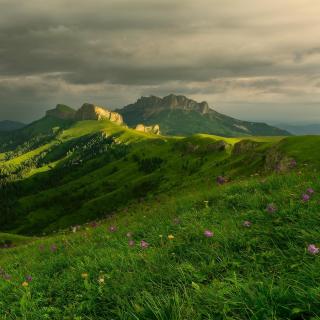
(262,272)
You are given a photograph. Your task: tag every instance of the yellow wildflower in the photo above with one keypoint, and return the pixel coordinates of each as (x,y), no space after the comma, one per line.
(101,280)
(84,275)
(25,284)
(170,236)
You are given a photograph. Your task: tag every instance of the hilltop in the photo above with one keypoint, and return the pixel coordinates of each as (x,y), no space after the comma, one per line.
(178,115)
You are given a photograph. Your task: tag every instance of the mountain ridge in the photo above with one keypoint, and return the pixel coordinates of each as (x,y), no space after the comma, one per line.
(9,125)
(179,115)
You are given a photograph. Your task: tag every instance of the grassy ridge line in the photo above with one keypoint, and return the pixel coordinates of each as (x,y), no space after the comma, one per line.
(95,189)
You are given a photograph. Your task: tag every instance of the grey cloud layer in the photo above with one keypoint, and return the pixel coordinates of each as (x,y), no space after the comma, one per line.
(229,52)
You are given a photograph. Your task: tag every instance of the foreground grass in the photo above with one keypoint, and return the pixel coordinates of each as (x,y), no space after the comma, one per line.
(258,272)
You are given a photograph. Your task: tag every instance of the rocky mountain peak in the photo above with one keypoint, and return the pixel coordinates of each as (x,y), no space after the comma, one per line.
(89,111)
(171,101)
(61,111)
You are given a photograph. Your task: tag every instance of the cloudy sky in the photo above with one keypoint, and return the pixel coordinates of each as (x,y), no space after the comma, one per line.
(255,60)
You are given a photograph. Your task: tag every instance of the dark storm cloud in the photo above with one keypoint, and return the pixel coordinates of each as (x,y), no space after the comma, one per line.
(223,51)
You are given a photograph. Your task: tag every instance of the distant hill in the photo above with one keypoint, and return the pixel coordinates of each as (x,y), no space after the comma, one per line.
(178,115)
(8,125)
(302,129)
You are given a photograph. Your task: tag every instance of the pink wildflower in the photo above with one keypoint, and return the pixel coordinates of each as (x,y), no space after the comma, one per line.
(208,233)
(313,249)
(144,244)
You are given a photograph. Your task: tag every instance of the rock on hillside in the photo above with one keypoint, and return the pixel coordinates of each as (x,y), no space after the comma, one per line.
(90,111)
(148,129)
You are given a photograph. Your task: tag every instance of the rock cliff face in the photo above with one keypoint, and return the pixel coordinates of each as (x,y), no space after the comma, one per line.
(148,129)
(90,111)
(61,111)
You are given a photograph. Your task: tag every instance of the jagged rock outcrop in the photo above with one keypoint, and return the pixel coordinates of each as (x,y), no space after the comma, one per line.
(90,111)
(148,129)
(244,146)
(61,111)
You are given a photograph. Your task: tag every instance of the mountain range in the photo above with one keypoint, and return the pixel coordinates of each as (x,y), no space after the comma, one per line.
(171,115)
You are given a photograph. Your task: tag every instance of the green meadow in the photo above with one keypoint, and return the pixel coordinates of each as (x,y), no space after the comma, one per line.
(100,221)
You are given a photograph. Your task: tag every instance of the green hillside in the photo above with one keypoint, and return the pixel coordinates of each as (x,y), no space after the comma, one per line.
(139,226)
(259,271)
(71,172)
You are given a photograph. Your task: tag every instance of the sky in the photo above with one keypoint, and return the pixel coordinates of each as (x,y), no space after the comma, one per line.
(254,60)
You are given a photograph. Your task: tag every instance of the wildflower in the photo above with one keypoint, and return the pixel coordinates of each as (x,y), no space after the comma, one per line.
(220,180)
(129,234)
(313,249)
(160,236)
(53,248)
(271,208)
(206,203)
(247,224)
(208,233)
(94,224)
(28,278)
(25,283)
(144,244)
(305,197)
(310,191)
(131,243)
(101,280)
(84,275)
(176,221)
(293,164)
(112,228)
(170,236)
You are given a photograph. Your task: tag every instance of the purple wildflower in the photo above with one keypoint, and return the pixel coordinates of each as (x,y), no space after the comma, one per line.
(313,249)
(310,191)
(94,224)
(247,224)
(221,180)
(208,233)
(293,163)
(112,228)
(53,248)
(28,278)
(131,243)
(144,244)
(305,197)
(271,208)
